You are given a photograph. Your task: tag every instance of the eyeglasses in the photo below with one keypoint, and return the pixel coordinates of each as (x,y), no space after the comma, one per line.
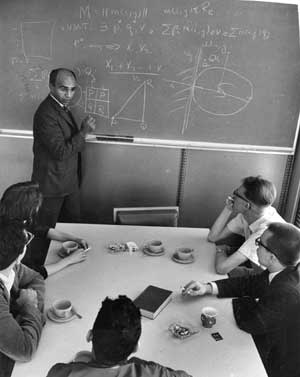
(30,237)
(259,243)
(236,193)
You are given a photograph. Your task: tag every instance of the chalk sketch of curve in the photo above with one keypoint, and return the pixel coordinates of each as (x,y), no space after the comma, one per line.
(133,108)
(37,39)
(218,91)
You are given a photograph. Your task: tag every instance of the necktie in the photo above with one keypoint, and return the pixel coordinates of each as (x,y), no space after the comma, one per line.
(68,111)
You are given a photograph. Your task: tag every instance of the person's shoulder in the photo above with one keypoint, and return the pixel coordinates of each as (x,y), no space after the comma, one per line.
(145,368)
(62,370)
(46,105)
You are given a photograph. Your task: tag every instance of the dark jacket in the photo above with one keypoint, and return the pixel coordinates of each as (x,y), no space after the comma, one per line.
(135,367)
(20,327)
(271,313)
(56,146)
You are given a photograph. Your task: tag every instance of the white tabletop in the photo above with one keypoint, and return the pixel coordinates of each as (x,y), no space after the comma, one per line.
(105,274)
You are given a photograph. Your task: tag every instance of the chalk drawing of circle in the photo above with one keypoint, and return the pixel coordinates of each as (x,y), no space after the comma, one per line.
(221,91)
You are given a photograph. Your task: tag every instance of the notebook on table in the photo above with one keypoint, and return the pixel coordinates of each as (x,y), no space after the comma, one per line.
(152,301)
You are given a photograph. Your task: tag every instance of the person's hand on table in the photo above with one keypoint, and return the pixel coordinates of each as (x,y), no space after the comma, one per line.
(82,243)
(77,256)
(196,288)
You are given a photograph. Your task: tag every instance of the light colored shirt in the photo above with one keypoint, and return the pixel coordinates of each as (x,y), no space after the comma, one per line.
(239,225)
(8,280)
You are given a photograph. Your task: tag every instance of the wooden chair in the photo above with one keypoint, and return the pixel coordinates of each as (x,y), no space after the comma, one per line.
(147,216)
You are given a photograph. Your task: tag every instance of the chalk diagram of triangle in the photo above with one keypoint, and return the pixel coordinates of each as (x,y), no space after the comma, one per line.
(133,109)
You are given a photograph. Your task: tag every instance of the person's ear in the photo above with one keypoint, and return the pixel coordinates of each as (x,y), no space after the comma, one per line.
(248,205)
(89,336)
(136,347)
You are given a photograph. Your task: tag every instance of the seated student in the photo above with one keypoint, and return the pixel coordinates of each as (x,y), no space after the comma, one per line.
(21,299)
(22,202)
(114,337)
(268,304)
(247,212)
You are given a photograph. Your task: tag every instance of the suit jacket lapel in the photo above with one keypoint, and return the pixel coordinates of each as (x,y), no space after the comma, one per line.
(68,117)
(64,114)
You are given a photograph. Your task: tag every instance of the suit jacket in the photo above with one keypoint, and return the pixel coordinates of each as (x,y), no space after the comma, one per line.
(271,313)
(133,367)
(20,327)
(56,149)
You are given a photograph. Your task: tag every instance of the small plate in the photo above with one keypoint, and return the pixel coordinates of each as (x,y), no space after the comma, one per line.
(183,261)
(148,252)
(54,318)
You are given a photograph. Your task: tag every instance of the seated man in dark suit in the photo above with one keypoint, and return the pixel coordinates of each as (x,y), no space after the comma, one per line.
(21,299)
(114,336)
(268,304)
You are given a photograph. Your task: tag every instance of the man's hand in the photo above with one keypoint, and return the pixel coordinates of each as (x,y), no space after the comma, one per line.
(28,296)
(229,202)
(88,125)
(196,288)
(83,243)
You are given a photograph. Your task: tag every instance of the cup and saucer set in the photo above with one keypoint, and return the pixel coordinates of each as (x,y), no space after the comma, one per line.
(68,247)
(154,248)
(183,255)
(61,311)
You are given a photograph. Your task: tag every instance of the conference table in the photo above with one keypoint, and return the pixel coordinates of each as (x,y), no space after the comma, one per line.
(109,274)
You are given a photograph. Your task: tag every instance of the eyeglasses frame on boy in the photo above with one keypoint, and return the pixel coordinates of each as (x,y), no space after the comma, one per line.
(258,242)
(30,237)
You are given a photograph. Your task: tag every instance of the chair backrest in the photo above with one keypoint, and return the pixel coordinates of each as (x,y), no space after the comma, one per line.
(147,216)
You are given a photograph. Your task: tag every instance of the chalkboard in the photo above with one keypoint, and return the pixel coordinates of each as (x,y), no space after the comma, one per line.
(209,71)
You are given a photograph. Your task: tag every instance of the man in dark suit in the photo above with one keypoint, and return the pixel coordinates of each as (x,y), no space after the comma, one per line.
(268,304)
(57,144)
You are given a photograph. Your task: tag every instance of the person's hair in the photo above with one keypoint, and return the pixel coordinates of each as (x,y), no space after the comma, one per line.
(20,202)
(259,191)
(54,73)
(12,242)
(285,243)
(116,330)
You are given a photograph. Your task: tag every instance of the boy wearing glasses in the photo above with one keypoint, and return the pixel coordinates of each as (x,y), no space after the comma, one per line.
(248,212)
(21,299)
(268,304)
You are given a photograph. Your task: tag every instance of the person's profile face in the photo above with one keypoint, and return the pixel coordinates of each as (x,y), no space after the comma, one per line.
(240,202)
(263,251)
(64,88)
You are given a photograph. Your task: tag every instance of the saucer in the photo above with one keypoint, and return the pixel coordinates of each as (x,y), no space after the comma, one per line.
(147,251)
(183,261)
(54,318)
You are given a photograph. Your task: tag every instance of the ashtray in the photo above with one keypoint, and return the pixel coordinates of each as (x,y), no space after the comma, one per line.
(119,247)
(182,330)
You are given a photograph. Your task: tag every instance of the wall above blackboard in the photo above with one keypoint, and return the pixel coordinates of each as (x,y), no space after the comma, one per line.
(224,72)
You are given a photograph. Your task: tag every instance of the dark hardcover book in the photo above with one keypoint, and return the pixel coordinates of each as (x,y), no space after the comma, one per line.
(152,301)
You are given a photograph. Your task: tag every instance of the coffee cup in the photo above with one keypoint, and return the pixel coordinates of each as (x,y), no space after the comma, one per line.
(208,317)
(155,246)
(69,247)
(184,253)
(62,308)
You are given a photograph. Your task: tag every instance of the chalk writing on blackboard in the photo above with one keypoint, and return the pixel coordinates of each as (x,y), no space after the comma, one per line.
(37,39)
(215,90)
(133,109)
(97,101)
